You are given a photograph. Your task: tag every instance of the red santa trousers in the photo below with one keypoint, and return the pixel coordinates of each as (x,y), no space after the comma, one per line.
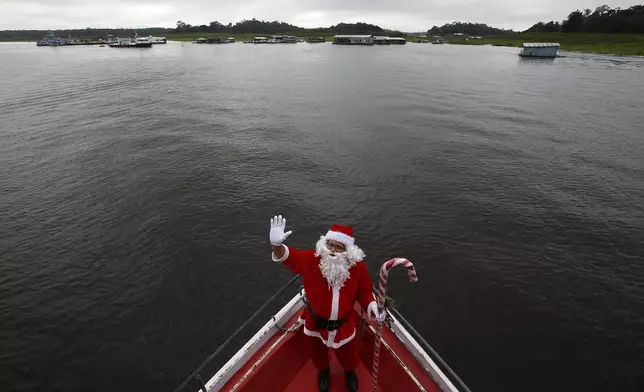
(347,354)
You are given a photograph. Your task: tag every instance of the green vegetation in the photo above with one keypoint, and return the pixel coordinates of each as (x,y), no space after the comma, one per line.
(603,20)
(626,44)
(605,30)
(184,31)
(262,27)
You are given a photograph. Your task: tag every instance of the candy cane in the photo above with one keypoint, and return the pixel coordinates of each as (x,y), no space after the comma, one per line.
(384,273)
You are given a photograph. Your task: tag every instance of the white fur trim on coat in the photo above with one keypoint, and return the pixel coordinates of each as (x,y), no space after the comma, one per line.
(331,344)
(284,257)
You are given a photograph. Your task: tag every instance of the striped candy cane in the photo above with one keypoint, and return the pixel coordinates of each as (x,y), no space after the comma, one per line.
(384,273)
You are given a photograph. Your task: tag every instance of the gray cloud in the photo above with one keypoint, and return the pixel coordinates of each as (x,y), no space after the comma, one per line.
(409,15)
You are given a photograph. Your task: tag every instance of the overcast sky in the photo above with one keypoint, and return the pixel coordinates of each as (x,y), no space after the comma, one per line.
(406,15)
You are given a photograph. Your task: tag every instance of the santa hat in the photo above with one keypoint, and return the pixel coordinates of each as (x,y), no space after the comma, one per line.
(341,234)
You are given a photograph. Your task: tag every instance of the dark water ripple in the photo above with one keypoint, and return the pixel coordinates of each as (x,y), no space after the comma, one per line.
(137,185)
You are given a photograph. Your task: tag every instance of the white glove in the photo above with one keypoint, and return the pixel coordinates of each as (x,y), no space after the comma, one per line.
(374,314)
(277,235)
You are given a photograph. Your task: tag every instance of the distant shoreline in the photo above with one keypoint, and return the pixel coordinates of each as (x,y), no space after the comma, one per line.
(622,44)
(619,44)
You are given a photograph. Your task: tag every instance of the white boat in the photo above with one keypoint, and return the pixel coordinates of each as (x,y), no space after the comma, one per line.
(538,49)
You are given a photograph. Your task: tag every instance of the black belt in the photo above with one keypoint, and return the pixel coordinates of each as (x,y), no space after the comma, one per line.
(329,325)
(324,323)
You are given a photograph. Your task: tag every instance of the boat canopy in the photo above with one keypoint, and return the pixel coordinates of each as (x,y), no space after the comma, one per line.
(540,45)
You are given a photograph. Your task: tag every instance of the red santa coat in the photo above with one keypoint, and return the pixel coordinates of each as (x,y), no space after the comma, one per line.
(329,302)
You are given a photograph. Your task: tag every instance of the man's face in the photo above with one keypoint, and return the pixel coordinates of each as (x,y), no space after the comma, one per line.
(335,246)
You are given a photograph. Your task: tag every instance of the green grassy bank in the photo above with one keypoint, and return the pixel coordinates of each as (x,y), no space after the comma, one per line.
(625,44)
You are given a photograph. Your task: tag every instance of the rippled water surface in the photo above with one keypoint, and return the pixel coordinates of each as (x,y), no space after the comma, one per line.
(136,188)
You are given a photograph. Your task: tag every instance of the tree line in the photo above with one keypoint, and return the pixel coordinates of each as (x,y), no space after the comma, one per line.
(243,27)
(254,26)
(603,20)
(476,29)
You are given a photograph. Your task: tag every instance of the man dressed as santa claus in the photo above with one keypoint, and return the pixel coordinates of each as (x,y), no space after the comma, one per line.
(334,277)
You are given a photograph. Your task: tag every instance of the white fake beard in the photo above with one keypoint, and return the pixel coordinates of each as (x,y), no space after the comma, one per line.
(334,266)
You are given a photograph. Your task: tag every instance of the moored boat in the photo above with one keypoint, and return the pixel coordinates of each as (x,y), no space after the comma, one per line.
(136,42)
(215,40)
(539,49)
(273,359)
(51,40)
(258,40)
(342,39)
(282,39)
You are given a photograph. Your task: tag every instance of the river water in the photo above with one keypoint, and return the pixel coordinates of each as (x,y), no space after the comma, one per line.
(137,186)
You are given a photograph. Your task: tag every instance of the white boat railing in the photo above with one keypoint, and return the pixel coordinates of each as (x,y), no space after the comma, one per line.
(425,355)
(440,371)
(196,376)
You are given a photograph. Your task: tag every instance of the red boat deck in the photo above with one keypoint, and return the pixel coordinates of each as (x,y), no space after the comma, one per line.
(282,365)
(306,378)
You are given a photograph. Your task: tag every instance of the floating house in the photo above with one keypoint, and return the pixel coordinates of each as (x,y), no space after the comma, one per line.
(353,39)
(381,40)
(378,40)
(547,50)
(215,40)
(397,41)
